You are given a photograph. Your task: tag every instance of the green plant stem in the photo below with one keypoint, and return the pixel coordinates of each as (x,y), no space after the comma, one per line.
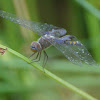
(48,73)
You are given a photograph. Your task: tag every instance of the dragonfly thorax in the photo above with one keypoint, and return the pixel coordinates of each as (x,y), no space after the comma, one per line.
(44,42)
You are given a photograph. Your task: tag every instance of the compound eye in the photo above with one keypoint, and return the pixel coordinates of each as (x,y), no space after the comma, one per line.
(33,48)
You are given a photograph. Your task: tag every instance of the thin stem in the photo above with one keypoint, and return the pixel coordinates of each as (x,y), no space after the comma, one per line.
(51,75)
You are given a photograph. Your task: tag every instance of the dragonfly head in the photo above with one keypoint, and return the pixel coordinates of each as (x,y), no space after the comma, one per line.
(35,46)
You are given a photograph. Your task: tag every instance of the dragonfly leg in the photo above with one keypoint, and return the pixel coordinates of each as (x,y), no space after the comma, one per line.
(31,55)
(39,56)
(45,59)
(35,58)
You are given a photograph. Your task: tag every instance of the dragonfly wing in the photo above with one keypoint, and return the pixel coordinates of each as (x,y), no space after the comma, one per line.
(39,28)
(77,54)
(82,52)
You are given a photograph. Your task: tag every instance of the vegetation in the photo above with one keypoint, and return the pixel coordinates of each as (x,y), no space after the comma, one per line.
(19,80)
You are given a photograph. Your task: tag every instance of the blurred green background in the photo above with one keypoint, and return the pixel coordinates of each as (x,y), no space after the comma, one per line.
(19,80)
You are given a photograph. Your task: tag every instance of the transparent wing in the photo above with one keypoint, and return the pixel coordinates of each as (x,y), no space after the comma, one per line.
(76,53)
(39,28)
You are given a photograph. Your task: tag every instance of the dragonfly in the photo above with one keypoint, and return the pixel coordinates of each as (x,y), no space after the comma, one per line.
(69,45)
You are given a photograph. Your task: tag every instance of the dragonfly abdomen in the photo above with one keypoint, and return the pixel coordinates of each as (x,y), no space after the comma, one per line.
(73,43)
